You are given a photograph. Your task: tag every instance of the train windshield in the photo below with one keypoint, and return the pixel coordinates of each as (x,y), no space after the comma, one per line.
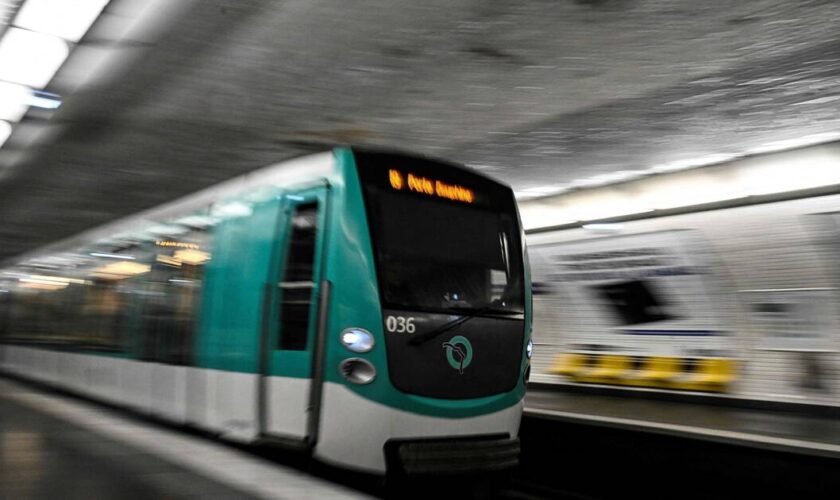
(446,240)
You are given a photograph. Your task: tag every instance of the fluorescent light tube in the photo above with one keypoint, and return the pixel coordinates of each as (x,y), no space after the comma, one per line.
(13,101)
(5,132)
(30,58)
(67,19)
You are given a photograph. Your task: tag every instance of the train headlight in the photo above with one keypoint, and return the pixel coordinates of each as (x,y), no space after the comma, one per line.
(357,339)
(357,370)
(529,349)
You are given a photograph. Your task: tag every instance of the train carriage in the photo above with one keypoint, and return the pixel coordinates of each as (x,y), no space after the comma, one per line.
(373,308)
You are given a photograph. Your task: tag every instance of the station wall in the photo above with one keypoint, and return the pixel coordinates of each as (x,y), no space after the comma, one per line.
(756,284)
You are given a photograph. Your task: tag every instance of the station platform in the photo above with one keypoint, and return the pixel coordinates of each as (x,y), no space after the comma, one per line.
(763,428)
(55,446)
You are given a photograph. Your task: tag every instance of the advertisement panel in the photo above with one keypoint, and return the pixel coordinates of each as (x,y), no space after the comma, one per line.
(643,294)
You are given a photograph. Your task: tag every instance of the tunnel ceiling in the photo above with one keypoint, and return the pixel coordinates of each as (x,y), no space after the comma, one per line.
(534,92)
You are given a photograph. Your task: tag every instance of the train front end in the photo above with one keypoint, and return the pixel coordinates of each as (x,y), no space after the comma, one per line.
(428,350)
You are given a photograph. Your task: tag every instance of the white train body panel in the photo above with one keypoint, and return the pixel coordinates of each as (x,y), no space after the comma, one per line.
(352,430)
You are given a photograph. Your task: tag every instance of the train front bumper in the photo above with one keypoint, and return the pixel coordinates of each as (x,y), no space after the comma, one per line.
(367,436)
(453,456)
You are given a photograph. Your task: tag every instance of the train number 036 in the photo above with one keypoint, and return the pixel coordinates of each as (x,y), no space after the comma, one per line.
(400,324)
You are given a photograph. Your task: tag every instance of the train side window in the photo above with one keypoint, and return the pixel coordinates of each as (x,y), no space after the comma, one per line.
(298,279)
(171,296)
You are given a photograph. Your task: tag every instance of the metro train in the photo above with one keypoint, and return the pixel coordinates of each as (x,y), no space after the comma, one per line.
(372,308)
(741,301)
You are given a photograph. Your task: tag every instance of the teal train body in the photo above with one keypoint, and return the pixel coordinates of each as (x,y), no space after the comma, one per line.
(313,304)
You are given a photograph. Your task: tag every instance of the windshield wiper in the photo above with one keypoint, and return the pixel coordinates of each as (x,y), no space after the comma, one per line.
(457,322)
(482,310)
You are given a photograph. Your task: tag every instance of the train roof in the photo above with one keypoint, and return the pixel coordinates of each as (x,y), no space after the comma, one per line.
(300,169)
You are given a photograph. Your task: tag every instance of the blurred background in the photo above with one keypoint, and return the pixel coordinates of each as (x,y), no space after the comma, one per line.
(676,166)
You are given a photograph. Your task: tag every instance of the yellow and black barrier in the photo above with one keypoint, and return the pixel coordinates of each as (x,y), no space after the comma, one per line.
(668,372)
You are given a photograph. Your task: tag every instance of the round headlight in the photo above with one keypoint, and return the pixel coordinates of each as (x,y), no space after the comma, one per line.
(357,339)
(529,349)
(357,370)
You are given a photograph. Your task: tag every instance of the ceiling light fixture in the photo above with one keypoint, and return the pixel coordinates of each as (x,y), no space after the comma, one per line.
(5,132)
(811,171)
(30,58)
(13,101)
(69,20)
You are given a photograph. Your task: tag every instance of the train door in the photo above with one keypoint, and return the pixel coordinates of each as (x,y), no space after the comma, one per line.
(290,388)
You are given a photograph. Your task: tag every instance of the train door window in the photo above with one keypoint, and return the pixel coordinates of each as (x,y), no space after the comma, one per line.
(171,293)
(298,278)
(634,302)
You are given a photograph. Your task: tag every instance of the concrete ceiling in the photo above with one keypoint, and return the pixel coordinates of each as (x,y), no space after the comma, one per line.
(535,92)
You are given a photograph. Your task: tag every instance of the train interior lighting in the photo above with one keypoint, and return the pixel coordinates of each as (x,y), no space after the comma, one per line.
(42,284)
(191,256)
(113,256)
(120,270)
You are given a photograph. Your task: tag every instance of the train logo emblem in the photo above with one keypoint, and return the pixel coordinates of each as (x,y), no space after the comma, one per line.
(459,353)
